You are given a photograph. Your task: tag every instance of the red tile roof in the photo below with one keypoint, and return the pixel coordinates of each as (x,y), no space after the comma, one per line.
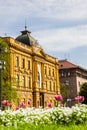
(64,64)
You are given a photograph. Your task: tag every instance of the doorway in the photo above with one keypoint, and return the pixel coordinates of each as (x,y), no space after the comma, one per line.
(42,99)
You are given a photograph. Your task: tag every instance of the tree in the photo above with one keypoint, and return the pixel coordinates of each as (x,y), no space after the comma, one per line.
(83,92)
(8,92)
(65,92)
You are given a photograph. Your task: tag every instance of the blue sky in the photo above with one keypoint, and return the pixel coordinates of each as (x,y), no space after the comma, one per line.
(60,26)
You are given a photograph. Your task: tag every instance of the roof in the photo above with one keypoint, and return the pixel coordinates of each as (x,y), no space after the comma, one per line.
(27,39)
(65,64)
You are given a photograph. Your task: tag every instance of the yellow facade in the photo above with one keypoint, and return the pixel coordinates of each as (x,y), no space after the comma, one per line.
(36,73)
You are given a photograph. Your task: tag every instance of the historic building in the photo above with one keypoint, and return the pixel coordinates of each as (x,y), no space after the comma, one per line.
(73,76)
(36,72)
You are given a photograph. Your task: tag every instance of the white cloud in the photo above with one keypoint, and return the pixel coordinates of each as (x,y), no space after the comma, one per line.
(55,39)
(53,17)
(62,39)
(57,9)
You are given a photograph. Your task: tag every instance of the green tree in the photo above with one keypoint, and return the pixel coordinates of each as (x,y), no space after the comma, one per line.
(8,92)
(65,92)
(83,92)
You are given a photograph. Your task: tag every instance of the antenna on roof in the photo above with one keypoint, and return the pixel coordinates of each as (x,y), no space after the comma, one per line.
(25,25)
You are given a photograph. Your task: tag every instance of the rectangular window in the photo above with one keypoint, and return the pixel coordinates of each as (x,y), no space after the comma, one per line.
(68,74)
(23,63)
(53,86)
(23,81)
(53,72)
(50,85)
(46,86)
(79,84)
(28,65)
(49,71)
(62,74)
(45,70)
(17,80)
(17,61)
(29,82)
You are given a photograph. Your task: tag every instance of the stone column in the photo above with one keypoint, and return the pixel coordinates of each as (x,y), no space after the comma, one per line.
(36,99)
(35,85)
(35,75)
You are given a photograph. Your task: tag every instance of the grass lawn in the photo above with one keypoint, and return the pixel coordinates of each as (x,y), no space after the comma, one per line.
(45,127)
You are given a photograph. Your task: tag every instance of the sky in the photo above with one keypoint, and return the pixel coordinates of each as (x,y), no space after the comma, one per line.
(60,26)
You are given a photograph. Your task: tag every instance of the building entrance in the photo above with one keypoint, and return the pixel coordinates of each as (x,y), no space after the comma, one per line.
(42,99)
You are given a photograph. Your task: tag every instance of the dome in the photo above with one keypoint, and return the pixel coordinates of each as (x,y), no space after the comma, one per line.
(26,38)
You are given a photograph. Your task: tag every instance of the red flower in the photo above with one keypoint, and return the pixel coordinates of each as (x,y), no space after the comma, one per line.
(58,97)
(79,99)
(76,99)
(50,104)
(5,102)
(17,108)
(9,104)
(29,102)
(22,104)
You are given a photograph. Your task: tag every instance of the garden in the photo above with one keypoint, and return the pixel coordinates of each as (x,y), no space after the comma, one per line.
(53,118)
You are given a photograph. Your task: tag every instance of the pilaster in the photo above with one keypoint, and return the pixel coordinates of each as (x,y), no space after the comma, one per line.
(43,77)
(57,80)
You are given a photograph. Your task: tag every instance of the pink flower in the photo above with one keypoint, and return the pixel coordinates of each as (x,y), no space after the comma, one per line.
(17,108)
(50,104)
(76,99)
(9,104)
(5,102)
(29,102)
(58,97)
(79,99)
(22,104)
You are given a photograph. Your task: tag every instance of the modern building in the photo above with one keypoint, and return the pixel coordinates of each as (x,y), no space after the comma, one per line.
(36,72)
(73,76)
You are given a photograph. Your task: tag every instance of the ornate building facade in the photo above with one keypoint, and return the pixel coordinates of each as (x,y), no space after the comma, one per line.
(36,72)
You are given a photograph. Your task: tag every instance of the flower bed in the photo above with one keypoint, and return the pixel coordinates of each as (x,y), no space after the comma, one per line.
(58,115)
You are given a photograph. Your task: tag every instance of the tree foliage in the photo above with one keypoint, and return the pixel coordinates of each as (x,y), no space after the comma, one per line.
(63,91)
(83,92)
(8,92)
